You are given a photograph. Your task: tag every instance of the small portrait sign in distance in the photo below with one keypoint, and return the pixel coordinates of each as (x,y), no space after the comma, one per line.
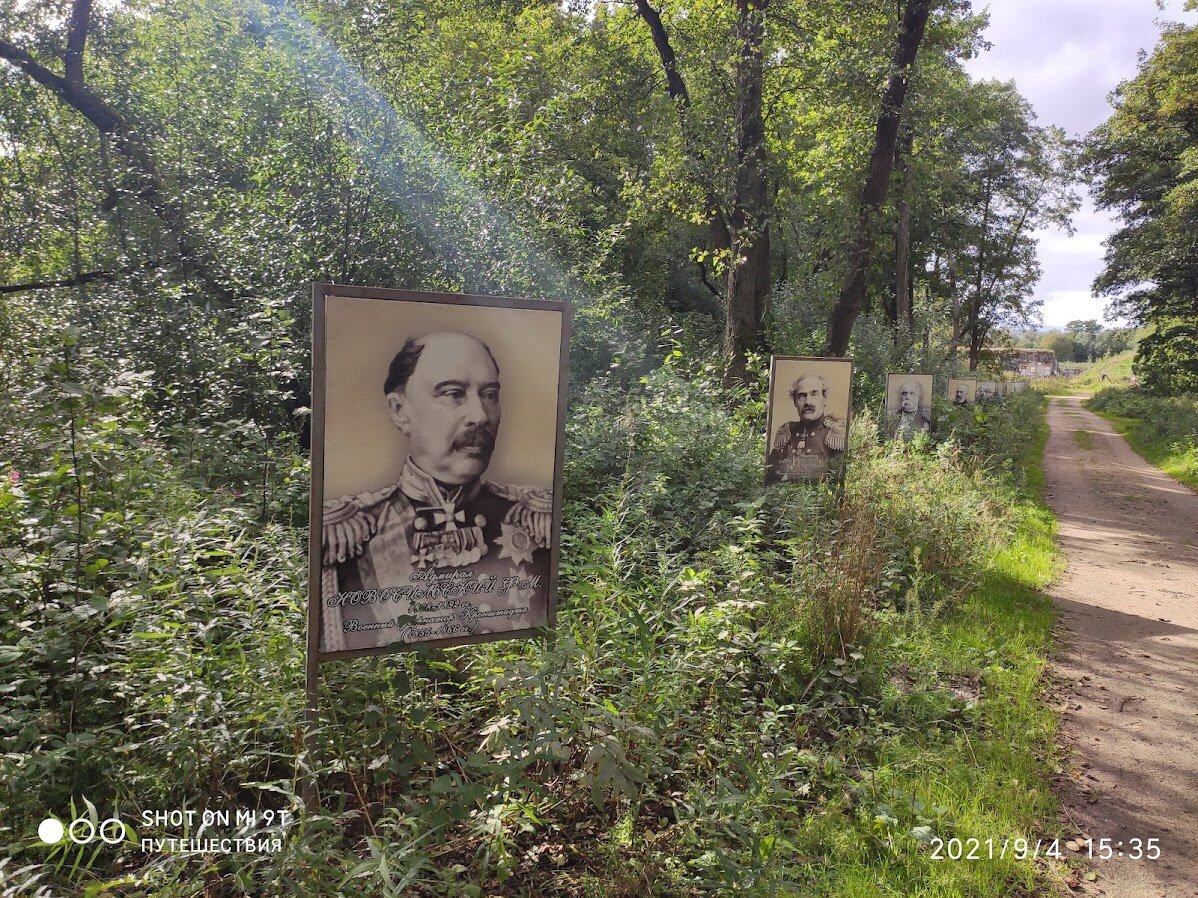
(961,391)
(908,405)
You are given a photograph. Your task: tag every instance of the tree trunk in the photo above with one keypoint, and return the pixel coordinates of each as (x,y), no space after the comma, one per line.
(873,196)
(72,60)
(904,312)
(749,271)
(904,317)
(955,301)
(744,231)
(974,311)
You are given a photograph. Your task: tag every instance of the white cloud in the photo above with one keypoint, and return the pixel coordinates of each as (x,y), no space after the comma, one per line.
(1066,56)
(1063,306)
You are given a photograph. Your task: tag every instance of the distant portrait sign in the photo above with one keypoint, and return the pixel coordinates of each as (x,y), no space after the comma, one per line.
(437,439)
(961,392)
(908,405)
(987,391)
(807,423)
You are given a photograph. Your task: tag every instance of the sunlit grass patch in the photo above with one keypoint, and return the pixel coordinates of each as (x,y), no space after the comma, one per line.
(969,745)
(1163,430)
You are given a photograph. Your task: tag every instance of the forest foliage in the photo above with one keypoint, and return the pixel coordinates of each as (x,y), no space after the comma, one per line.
(1144,160)
(746,686)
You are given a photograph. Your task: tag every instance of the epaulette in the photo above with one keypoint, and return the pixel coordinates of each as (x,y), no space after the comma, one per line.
(532,509)
(348,523)
(782,437)
(836,438)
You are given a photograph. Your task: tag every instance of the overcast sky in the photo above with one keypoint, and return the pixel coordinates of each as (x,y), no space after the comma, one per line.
(1066,56)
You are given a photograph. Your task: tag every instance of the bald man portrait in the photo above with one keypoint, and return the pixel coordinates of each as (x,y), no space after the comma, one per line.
(442,553)
(911,415)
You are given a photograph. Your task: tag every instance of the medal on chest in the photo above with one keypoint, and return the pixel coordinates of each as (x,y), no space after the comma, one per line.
(438,543)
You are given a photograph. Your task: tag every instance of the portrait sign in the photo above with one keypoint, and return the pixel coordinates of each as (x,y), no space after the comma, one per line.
(961,391)
(908,405)
(437,437)
(987,391)
(807,422)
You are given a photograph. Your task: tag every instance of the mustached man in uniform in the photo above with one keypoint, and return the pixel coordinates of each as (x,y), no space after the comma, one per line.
(813,446)
(442,553)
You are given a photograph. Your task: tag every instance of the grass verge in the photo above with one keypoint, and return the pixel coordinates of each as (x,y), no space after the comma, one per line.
(1164,431)
(986,774)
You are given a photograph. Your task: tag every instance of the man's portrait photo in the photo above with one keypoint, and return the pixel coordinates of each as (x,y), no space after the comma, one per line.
(437,452)
(961,391)
(987,390)
(808,419)
(908,405)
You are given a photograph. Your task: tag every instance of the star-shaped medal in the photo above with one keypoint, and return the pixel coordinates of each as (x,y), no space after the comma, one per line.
(515,543)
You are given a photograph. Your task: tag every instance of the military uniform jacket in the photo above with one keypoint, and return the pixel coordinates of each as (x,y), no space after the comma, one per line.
(805,452)
(417,562)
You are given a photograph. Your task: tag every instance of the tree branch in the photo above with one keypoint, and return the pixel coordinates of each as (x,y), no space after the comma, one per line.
(107,274)
(675,86)
(721,236)
(126,142)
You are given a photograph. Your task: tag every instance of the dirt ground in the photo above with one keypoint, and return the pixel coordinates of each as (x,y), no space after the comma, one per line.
(1128,662)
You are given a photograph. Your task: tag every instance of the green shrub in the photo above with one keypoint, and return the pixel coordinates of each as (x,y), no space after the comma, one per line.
(711,685)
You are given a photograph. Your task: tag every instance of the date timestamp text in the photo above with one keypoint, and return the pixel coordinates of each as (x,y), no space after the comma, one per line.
(971,849)
(1132,849)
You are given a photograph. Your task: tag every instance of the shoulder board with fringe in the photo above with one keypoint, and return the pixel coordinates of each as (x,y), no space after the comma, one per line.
(532,509)
(348,523)
(835,439)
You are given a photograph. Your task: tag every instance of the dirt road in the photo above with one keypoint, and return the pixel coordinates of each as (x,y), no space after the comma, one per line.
(1129,654)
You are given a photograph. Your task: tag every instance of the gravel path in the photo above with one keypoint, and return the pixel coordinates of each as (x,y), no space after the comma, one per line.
(1129,653)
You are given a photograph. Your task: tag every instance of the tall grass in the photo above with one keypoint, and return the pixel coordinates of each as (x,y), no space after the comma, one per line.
(743,685)
(1164,430)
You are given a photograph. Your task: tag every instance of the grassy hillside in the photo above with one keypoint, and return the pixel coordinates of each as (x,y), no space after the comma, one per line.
(1117,368)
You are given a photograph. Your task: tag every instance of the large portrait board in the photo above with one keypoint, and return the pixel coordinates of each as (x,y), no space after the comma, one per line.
(807,423)
(908,405)
(437,437)
(987,391)
(961,391)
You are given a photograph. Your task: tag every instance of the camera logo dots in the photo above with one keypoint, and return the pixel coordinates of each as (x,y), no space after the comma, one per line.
(81,831)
